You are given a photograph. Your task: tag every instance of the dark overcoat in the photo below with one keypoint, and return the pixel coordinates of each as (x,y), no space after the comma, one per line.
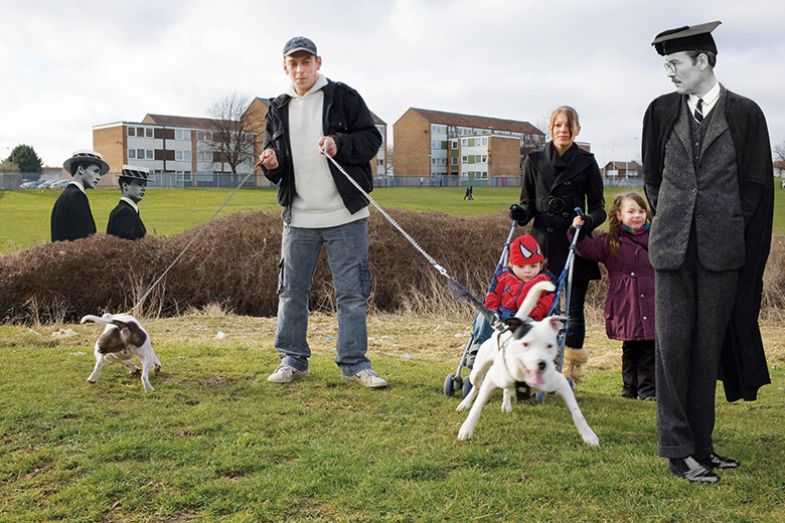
(629,306)
(552,188)
(71,216)
(743,368)
(125,222)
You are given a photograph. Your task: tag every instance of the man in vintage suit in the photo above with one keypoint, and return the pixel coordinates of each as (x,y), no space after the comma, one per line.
(708,176)
(125,221)
(71,215)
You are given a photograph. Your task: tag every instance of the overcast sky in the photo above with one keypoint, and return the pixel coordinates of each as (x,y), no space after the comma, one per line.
(68,66)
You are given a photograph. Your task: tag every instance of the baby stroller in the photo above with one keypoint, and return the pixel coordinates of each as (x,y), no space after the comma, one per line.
(481,328)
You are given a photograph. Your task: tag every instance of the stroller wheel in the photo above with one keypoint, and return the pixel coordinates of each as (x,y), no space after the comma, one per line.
(467,387)
(449,385)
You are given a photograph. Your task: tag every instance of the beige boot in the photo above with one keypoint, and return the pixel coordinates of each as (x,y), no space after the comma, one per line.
(573,364)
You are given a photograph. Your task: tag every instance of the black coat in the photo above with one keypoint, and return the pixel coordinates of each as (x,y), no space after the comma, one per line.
(743,368)
(125,222)
(344,116)
(71,216)
(552,188)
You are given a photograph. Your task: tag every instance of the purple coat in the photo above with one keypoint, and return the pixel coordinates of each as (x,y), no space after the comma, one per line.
(629,307)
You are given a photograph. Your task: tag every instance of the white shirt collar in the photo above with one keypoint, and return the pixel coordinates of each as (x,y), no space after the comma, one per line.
(130,202)
(709,99)
(78,185)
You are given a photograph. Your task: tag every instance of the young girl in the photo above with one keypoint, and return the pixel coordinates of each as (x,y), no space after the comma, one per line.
(629,307)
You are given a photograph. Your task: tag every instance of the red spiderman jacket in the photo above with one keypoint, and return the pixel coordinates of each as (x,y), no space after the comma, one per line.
(510,292)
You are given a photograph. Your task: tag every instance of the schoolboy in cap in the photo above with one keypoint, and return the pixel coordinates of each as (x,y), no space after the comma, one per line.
(321,207)
(71,215)
(707,172)
(125,220)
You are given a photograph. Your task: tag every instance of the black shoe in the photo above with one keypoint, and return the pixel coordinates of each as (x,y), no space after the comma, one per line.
(715,461)
(628,393)
(689,469)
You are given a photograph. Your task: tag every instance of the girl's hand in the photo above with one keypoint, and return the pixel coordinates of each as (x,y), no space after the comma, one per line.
(577,222)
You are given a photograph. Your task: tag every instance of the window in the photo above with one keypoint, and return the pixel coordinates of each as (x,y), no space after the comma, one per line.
(471,142)
(182,134)
(482,175)
(132,131)
(140,131)
(454,144)
(131,152)
(200,135)
(140,154)
(205,156)
(455,160)
(434,161)
(485,140)
(148,132)
(464,142)
(380,161)
(464,159)
(148,154)
(484,158)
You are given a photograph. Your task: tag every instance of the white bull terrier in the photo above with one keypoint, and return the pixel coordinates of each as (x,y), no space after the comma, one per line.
(524,353)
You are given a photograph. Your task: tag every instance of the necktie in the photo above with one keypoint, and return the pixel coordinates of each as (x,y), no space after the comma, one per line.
(699,111)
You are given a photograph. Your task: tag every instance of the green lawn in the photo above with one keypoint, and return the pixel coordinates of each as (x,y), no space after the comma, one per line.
(25,214)
(216,442)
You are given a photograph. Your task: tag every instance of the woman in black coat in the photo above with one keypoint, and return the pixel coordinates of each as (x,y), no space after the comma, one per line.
(556,180)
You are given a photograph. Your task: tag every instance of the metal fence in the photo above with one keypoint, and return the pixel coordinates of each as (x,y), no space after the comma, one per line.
(13,181)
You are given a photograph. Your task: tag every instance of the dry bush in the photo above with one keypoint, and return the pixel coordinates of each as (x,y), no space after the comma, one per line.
(233,263)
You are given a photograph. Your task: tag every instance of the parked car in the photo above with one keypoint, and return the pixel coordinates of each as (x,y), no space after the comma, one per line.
(59,184)
(29,185)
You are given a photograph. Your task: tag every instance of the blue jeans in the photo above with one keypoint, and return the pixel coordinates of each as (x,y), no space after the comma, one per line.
(347,254)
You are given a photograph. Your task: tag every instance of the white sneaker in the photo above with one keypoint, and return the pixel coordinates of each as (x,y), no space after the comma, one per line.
(286,374)
(368,378)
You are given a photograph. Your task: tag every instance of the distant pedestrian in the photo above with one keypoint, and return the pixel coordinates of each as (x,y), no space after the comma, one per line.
(72,218)
(469,194)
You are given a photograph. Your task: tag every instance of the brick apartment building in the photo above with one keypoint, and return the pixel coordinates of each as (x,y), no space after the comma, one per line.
(622,170)
(440,143)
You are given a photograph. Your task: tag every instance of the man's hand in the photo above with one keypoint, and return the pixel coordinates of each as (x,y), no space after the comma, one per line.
(268,159)
(328,145)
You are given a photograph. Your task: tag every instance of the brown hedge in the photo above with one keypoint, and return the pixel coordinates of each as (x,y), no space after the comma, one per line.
(234,262)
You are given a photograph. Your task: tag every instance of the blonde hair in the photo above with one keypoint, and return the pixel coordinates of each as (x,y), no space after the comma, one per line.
(614,223)
(572,119)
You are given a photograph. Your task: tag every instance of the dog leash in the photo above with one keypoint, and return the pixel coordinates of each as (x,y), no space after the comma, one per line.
(188,245)
(456,289)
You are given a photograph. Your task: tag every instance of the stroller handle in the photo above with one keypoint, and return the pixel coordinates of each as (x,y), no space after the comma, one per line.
(580,212)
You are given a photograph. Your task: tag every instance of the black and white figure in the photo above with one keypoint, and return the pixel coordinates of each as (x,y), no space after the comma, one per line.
(125,220)
(708,176)
(72,218)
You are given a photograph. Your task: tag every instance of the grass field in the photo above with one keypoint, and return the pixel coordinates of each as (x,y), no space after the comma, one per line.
(25,214)
(216,442)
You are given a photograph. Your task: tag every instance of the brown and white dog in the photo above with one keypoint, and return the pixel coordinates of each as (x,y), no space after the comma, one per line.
(524,353)
(123,338)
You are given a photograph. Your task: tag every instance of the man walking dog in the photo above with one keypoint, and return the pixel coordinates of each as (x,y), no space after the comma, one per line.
(317,116)
(708,176)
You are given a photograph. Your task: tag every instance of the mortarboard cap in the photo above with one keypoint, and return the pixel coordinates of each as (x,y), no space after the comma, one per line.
(687,38)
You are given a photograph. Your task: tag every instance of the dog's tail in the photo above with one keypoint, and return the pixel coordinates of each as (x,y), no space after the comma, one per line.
(531,298)
(106,318)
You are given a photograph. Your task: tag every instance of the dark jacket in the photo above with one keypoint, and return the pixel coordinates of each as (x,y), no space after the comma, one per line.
(552,189)
(125,222)
(629,306)
(71,216)
(743,365)
(346,117)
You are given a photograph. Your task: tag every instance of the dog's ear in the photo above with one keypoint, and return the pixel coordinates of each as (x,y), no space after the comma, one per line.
(518,327)
(556,322)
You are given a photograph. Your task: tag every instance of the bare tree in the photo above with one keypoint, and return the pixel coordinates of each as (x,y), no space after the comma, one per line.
(232,139)
(779,151)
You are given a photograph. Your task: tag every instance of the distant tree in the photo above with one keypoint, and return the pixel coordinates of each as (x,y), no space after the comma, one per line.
(26,158)
(232,137)
(7,166)
(779,151)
